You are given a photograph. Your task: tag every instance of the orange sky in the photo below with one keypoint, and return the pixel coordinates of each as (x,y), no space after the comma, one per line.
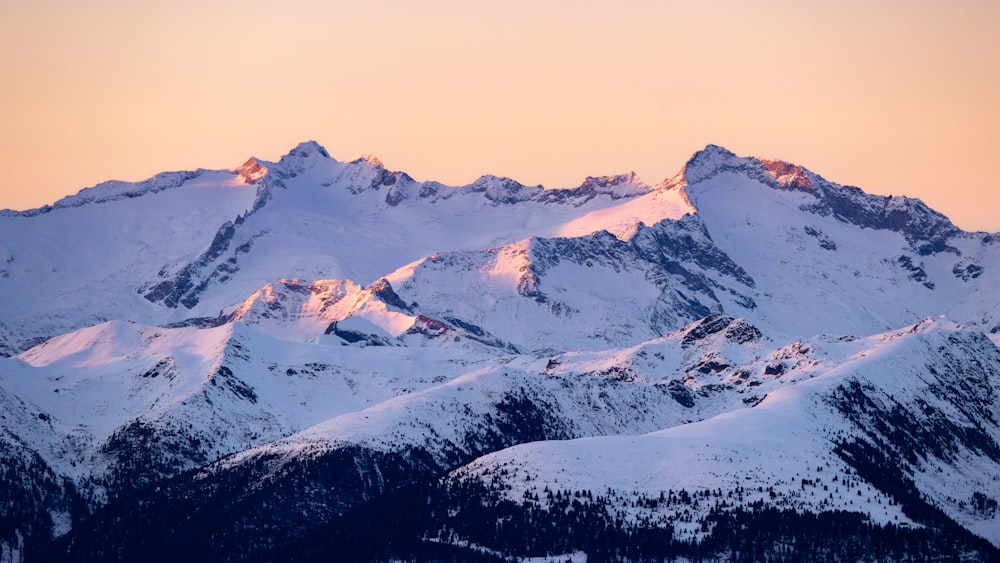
(896,97)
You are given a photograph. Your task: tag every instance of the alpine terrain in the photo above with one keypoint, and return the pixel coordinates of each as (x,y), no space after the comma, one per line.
(316,360)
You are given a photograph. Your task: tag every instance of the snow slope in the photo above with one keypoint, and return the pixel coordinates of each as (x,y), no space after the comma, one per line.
(319,333)
(788,443)
(201,241)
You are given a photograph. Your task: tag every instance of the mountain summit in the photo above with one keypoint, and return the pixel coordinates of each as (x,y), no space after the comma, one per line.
(310,359)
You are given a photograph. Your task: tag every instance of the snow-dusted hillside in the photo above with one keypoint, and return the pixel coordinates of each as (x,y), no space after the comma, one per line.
(261,357)
(923,393)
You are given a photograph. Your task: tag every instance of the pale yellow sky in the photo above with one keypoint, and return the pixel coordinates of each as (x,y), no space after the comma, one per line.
(896,97)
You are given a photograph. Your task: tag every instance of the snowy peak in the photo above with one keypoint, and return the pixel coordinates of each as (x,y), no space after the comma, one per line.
(305,156)
(611,181)
(617,186)
(714,160)
(368,160)
(503,190)
(302,311)
(306,150)
(373,160)
(925,229)
(290,300)
(251,170)
(788,175)
(710,161)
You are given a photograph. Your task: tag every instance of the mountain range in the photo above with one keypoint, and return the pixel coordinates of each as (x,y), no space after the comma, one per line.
(311,359)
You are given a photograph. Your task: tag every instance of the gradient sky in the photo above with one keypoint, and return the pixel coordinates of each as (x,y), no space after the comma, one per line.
(898,97)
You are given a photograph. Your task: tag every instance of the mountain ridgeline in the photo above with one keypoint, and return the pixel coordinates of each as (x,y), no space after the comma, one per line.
(315,360)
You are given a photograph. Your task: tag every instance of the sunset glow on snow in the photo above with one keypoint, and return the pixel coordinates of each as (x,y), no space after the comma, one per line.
(896,97)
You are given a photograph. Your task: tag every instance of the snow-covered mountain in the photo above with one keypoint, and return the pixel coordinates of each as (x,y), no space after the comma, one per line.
(283,359)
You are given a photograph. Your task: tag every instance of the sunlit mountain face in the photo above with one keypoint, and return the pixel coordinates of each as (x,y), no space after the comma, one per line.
(312,359)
